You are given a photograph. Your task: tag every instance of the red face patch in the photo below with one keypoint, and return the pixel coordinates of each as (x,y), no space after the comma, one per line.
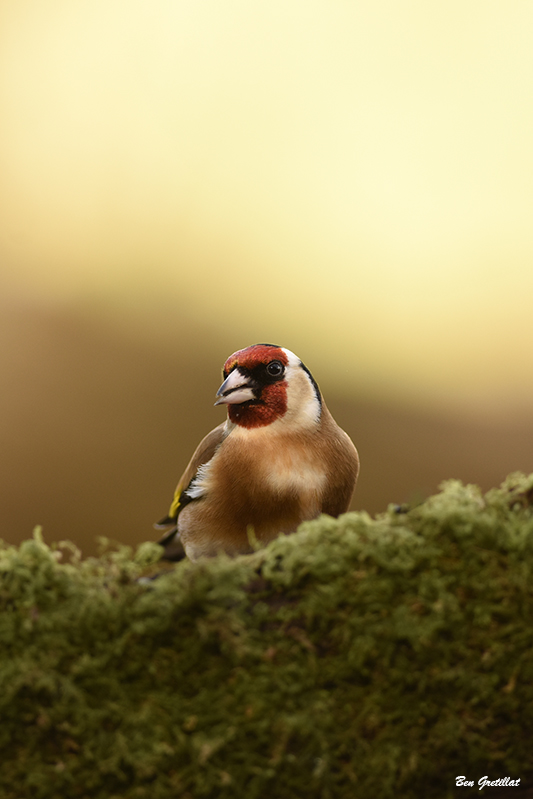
(272,406)
(273,401)
(252,356)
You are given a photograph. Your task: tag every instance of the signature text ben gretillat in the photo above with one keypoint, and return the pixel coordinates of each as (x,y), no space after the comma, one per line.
(502,782)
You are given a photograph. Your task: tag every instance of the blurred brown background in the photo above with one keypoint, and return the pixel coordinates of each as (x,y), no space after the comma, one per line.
(180,180)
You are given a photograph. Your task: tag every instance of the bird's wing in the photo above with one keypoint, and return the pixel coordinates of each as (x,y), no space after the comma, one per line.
(341,455)
(202,454)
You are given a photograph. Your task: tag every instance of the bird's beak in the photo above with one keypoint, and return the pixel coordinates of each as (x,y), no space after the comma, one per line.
(235,389)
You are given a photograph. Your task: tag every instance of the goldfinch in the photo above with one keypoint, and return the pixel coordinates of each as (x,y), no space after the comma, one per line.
(279,459)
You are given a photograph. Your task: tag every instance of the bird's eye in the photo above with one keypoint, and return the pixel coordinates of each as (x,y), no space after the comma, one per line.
(275,368)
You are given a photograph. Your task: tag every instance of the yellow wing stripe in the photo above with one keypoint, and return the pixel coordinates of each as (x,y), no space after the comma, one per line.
(173,512)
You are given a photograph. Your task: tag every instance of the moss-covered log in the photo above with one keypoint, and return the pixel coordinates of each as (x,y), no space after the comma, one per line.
(357,657)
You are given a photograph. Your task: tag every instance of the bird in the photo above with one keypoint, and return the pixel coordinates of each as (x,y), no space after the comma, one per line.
(279,459)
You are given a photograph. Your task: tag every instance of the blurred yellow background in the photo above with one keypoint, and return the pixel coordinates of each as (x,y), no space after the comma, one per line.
(352,180)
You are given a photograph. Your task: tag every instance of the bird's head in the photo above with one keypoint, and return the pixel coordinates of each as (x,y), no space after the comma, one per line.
(265,383)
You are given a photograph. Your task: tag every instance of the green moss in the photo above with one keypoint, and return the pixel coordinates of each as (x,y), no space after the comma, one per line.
(356,657)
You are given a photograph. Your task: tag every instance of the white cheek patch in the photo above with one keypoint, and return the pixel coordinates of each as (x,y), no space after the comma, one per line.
(310,411)
(301,395)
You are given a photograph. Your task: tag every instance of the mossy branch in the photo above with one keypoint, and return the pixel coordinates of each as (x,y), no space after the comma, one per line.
(358,657)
